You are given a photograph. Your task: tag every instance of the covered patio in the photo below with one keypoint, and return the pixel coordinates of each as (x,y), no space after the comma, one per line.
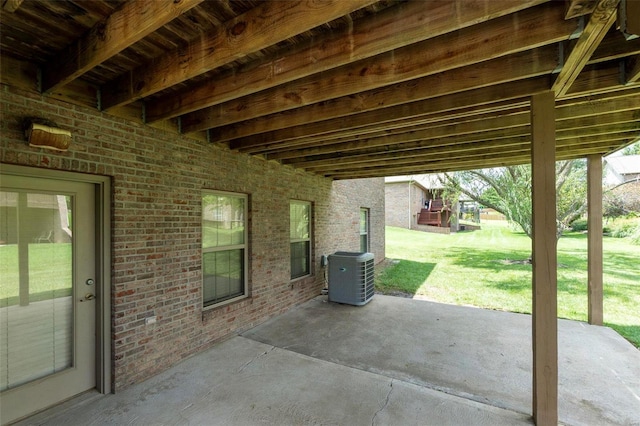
(310,93)
(393,361)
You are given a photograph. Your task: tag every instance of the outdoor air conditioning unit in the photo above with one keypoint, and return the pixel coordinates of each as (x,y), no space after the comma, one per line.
(351,277)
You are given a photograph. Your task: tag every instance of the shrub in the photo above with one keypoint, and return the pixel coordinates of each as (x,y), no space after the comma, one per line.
(579,225)
(627,227)
(635,236)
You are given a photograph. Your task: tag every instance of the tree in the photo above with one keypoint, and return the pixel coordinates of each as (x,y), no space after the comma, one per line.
(632,149)
(508,191)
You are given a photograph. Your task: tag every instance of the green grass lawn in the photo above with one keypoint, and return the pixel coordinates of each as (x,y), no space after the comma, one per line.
(475,268)
(49,271)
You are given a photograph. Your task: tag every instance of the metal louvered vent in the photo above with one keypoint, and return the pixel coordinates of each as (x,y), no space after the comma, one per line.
(351,277)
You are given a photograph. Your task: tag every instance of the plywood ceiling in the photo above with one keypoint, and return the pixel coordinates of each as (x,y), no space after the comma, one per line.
(342,88)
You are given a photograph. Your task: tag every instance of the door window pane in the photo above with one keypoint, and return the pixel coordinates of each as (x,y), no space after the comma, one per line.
(36,261)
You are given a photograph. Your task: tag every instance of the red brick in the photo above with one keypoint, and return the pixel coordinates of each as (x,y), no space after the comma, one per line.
(157,180)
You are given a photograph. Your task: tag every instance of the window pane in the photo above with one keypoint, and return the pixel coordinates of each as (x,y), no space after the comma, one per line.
(222,220)
(364,221)
(223,275)
(299,214)
(300,259)
(364,243)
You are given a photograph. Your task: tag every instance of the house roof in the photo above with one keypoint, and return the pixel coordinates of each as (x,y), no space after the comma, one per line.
(427,182)
(625,164)
(344,89)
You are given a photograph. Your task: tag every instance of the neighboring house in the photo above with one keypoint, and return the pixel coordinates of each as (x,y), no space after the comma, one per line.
(621,169)
(414,202)
(48,214)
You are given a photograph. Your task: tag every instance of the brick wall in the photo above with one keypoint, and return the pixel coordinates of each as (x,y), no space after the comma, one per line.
(397,204)
(403,202)
(342,223)
(418,198)
(157,178)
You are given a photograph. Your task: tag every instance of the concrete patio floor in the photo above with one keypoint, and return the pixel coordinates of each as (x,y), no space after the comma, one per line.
(395,361)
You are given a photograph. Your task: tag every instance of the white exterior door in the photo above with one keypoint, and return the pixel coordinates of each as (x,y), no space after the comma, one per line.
(47,293)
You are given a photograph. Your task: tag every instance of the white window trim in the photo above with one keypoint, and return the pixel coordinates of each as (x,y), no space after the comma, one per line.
(244,247)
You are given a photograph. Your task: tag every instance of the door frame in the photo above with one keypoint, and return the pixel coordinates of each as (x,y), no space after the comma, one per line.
(102,185)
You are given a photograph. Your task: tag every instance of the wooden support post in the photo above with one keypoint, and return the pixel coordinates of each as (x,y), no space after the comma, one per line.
(545,330)
(594,246)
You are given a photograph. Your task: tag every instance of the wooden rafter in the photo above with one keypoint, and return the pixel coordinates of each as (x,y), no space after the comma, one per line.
(261,27)
(11,5)
(383,129)
(565,150)
(632,69)
(473,155)
(389,88)
(577,8)
(365,38)
(434,152)
(594,32)
(614,46)
(389,118)
(522,31)
(631,12)
(455,106)
(597,79)
(132,22)
(491,130)
(522,65)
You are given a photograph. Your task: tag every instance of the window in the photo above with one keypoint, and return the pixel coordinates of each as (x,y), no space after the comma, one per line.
(224,247)
(300,237)
(364,230)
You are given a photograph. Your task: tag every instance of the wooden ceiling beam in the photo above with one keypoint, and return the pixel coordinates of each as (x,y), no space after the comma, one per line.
(602,18)
(287,149)
(11,5)
(366,153)
(376,130)
(520,66)
(603,112)
(451,145)
(471,164)
(474,128)
(490,137)
(260,27)
(387,118)
(594,81)
(367,37)
(127,25)
(468,151)
(344,129)
(578,148)
(464,152)
(599,79)
(575,8)
(614,46)
(428,153)
(521,31)
(632,69)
